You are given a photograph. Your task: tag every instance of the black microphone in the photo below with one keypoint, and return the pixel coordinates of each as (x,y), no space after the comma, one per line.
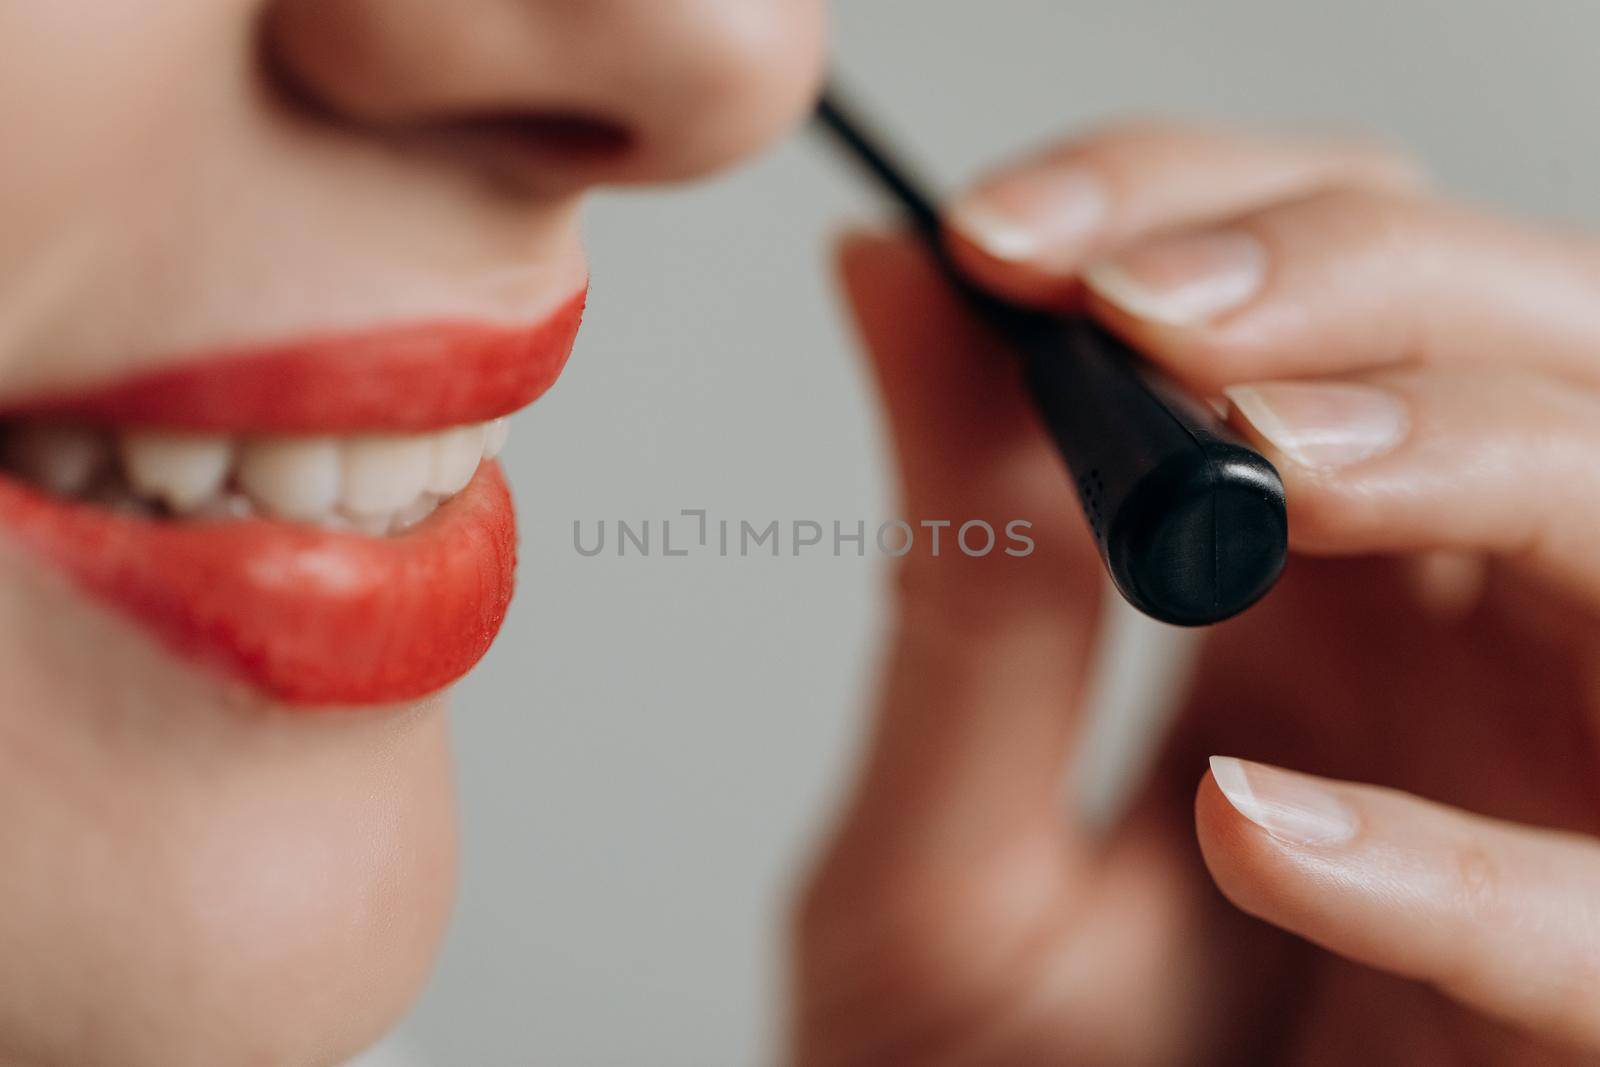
(1189,519)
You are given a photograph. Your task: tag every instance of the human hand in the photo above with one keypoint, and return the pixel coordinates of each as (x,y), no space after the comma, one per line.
(1427,380)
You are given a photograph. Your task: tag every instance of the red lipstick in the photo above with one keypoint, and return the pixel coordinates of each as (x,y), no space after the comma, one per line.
(393,380)
(309,616)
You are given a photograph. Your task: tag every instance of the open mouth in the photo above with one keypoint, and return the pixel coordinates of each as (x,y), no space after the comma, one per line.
(376,484)
(323,520)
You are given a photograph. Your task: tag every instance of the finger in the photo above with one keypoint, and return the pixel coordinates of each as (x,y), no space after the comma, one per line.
(1028,228)
(951,853)
(1503,918)
(990,653)
(1348,280)
(1448,460)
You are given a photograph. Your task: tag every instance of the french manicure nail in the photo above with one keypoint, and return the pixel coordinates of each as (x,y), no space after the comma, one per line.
(1324,425)
(1294,808)
(1185,280)
(1043,218)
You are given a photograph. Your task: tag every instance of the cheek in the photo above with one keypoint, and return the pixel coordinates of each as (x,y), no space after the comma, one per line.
(100,109)
(186,883)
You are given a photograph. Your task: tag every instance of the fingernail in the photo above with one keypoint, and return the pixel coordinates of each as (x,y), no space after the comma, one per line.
(1043,218)
(1324,425)
(1183,281)
(1294,808)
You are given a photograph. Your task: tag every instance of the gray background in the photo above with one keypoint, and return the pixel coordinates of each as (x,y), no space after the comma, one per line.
(653,743)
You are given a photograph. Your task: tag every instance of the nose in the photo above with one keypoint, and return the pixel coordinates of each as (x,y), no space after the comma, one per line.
(557,91)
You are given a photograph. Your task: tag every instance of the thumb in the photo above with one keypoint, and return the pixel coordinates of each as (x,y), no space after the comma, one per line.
(990,652)
(964,437)
(1502,918)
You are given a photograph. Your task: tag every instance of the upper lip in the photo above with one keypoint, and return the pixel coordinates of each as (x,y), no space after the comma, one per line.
(312,616)
(395,379)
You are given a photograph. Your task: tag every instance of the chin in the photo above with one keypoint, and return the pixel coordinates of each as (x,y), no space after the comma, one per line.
(193,874)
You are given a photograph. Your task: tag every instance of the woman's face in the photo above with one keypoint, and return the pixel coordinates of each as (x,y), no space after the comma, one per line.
(269,273)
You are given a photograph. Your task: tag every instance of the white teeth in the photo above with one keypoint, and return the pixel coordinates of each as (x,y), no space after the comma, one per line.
(494,437)
(181,470)
(383,474)
(376,483)
(456,453)
(292,477)
(226,506)
(63,459)
(372,525)
(425,505)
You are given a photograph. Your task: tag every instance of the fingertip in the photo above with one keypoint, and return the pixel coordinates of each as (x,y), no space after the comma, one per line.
(1016,280)
(1196,358)
(1043,213)
(857,248)
(1495,915)
(1213,814)
(1333,442)
(1260,870)
(919,338)
(884,274)
(1223,834)
(1025,232)
(992,235)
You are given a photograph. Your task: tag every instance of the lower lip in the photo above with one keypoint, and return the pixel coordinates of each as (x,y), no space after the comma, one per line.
(310,617)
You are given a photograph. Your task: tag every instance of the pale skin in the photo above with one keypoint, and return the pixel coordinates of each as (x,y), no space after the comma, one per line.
(1425,377)
(190,875)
